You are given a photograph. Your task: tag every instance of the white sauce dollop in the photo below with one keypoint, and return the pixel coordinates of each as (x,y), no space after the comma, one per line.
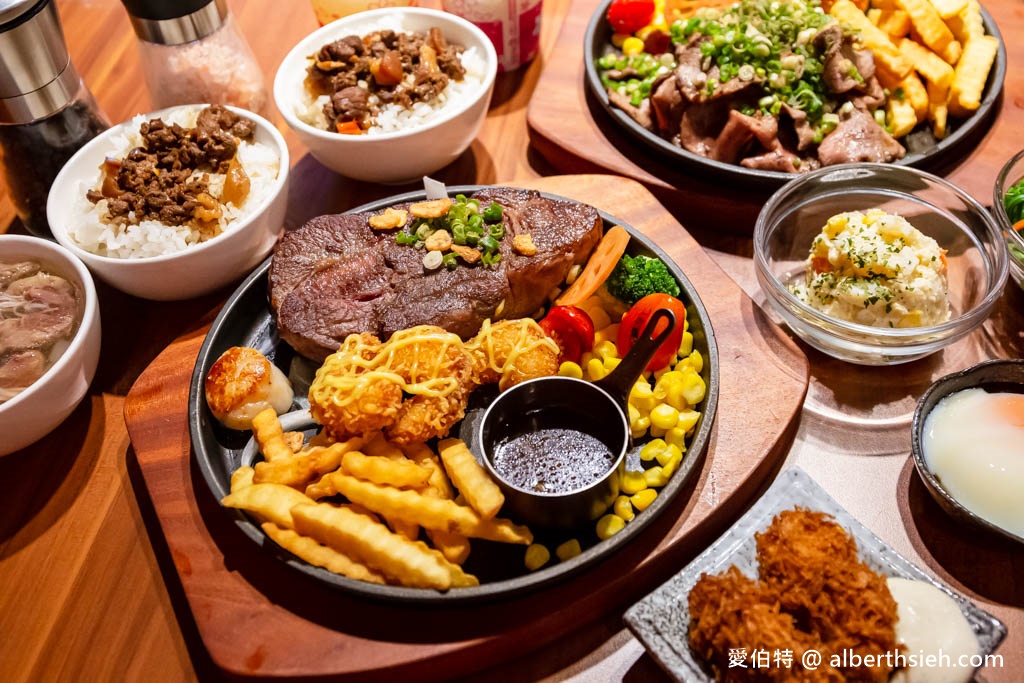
(931,623)
(974,443)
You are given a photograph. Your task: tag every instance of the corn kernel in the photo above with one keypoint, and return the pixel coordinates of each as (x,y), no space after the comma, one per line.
(611,363)
(659,372)
(642,499)
(609,525)
(537,556)
(657,432)
(685,345)
(668,454)
(619,38)
(637,433)
(632,46)
(664,416)
(568,550)
(677,396)
(632,413)
(623,508)
(643,423)
(677,437)
(595,369)
(695,389)
(595,309)
(642,396)
(654,476)
(669,467)
(652,449)
(687,419)
(669,378)
(605,350)
(585,358)
(632,482)
(695,361)
(570,369)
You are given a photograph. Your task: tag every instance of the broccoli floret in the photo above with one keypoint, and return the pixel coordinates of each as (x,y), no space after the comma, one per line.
(634,277)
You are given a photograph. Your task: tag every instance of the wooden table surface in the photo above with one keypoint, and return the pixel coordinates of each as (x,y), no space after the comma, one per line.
(84,589)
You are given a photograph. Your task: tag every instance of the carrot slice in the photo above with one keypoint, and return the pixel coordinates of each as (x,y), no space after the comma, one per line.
(1019,225)
(349,128)
(607,253)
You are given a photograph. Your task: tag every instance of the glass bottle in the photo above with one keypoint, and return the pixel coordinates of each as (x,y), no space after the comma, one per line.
(193,53)
(46,112)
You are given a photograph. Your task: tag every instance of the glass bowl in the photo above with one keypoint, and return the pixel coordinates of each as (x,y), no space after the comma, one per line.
(1010,175)
(796,213)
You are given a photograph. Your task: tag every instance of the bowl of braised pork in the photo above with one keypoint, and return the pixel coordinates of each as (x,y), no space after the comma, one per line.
(758,92)
(176,203)
(388,95)
(49,337)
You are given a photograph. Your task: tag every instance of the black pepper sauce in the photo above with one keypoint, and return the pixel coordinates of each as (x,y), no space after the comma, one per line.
(552,460)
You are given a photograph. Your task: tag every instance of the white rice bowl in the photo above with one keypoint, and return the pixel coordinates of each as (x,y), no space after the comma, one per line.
(393,117)
(94,232)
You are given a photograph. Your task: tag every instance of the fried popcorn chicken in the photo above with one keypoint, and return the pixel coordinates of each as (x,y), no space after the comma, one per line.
(814,592)
(512,351)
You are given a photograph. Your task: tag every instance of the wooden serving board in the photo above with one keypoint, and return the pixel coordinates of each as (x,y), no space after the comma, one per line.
(258,617)
(571,130)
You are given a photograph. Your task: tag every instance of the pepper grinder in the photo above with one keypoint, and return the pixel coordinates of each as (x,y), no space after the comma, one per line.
(46,112)
(193,53)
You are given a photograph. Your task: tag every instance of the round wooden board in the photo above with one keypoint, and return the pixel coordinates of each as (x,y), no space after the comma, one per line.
(258,617)
(572,131)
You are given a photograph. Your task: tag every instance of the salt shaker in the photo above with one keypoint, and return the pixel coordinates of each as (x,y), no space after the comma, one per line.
(46,112)
(192,52)
(512,25)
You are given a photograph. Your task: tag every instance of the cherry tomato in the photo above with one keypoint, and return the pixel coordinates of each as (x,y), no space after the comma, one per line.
(572,329)
(635,320)
(627,16)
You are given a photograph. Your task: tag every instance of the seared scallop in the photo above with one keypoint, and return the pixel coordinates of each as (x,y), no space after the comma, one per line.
(241,383)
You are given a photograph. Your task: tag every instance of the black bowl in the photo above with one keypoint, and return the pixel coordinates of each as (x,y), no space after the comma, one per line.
(246,320)
(993,375)
(923,151)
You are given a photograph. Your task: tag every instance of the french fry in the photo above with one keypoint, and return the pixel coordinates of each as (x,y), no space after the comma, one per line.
(319,555)
(937,109)
(874,16)
(380,470)
(295,440)
(266,429)
(900,116)
(928,24)
(968,23)
(875,39)
(916,94)
(354,535)
(299,470)
(927,63)
(381,447)
(971,74)
(271,502)
(948,9)
(430,513)
(455,547)
(409,530)
(470,478)
(895,23)
(241,478)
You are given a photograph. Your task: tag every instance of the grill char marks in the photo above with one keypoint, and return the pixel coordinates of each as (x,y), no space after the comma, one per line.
(335,276)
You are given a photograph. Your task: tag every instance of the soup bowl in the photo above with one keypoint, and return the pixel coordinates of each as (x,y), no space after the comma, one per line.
(35,411)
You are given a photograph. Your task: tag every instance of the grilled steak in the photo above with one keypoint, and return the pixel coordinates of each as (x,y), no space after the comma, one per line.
(336,276)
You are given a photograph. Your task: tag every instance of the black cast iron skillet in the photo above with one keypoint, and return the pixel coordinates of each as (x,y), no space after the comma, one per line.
(923,151)
(246,320)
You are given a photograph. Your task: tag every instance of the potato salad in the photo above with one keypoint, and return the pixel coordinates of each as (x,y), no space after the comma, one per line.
(875,268)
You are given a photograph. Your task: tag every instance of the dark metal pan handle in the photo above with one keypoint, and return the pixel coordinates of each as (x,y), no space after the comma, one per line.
(621,380)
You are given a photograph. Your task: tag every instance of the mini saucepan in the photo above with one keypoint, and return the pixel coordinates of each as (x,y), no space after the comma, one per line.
(557,446)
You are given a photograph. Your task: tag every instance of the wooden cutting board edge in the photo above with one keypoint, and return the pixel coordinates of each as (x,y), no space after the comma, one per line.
(764,432)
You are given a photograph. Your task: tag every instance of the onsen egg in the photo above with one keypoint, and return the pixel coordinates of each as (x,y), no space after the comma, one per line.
(973,442)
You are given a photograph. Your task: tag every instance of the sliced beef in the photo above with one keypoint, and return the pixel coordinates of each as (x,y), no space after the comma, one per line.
(688,71)
(9,272)
(666,104)
(641,114)
(20,369)
(341,50)
(49,310)
(859,138)
(797,120)
(335,276)
(739,132)
(844,68)
(778,159)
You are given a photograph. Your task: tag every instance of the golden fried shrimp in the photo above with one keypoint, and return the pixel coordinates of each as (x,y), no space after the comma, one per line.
(512,351)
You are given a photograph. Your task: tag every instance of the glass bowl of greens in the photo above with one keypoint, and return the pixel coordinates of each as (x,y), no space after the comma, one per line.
(1008,207)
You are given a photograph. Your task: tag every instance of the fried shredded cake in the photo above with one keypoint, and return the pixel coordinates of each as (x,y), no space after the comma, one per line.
(814,592)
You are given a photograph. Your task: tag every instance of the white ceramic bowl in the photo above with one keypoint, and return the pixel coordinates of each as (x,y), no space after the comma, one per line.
(402,156)
(197,270)
(795,214)
(37,410)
